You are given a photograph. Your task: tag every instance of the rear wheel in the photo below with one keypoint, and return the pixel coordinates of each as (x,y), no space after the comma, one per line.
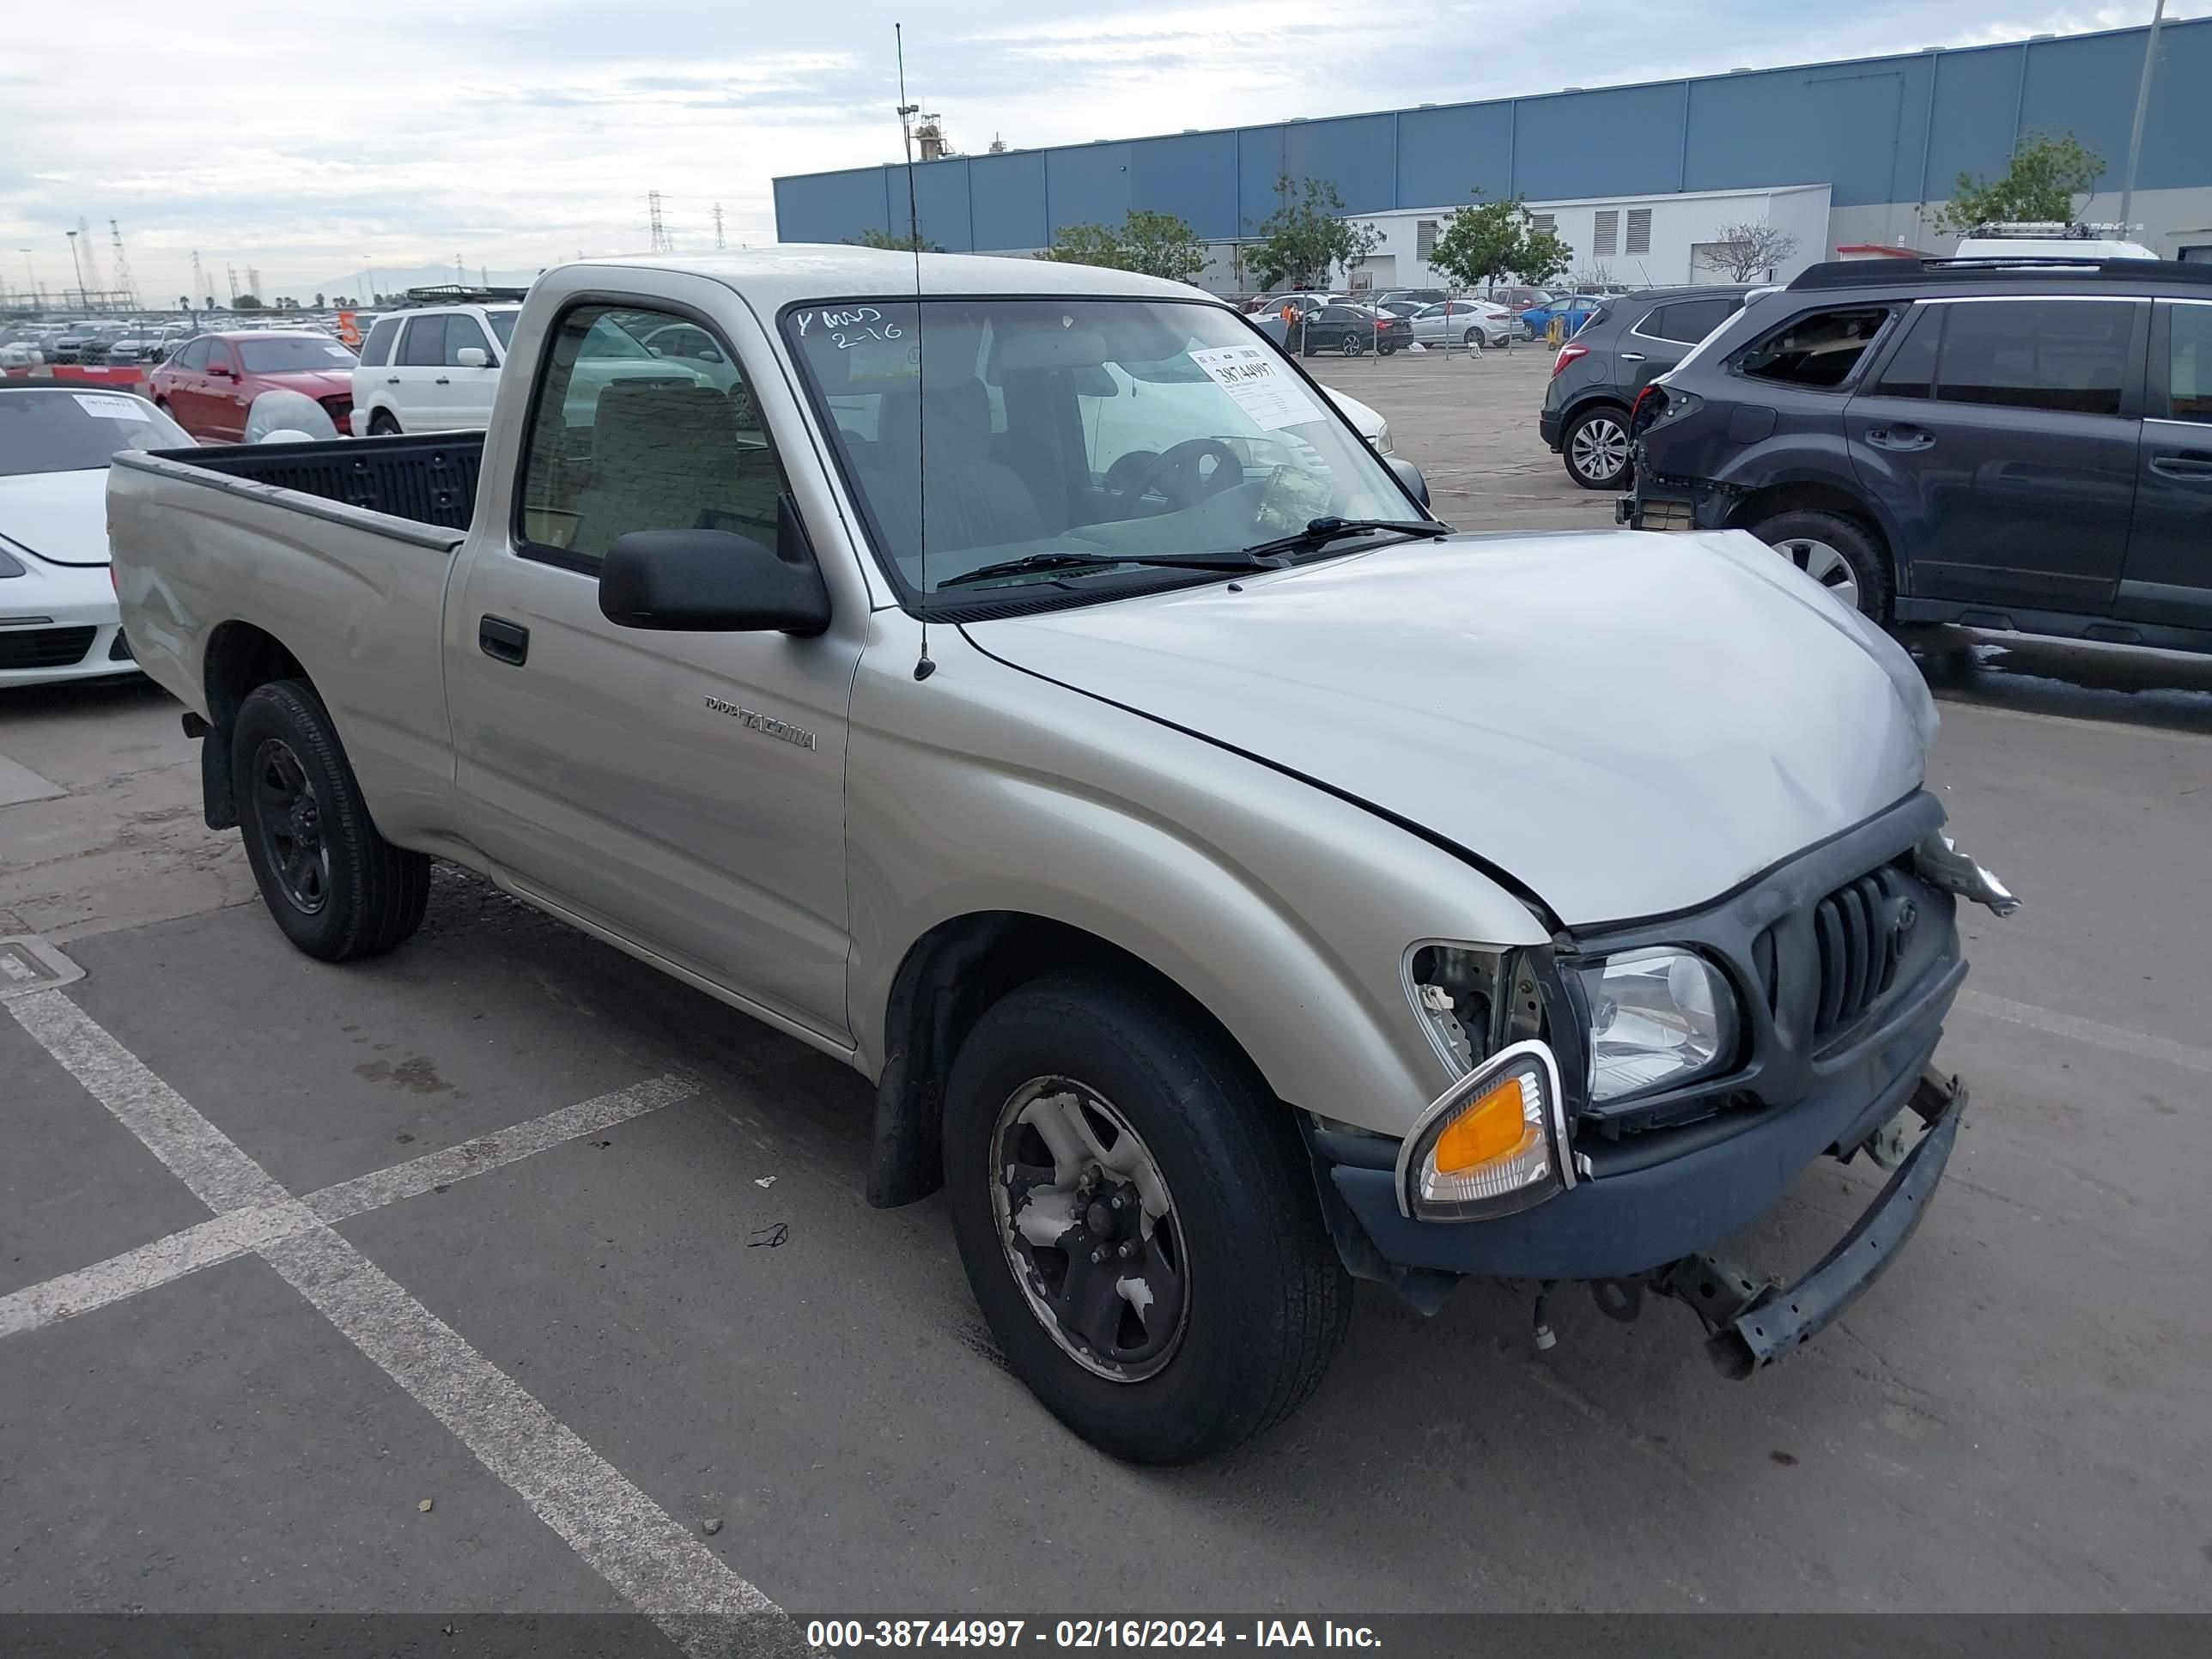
(1138,1221)
(1595,447)
(383,424)
(1836,553)
(337,889)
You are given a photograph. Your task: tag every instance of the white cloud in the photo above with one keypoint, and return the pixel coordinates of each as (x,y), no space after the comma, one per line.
(512,133)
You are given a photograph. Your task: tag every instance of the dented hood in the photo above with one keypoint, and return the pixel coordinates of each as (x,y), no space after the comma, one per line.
(1628,724)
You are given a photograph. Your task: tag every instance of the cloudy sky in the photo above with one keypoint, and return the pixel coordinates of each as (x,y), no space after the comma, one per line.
(512,133)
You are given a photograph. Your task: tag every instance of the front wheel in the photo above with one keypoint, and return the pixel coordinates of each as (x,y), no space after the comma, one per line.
(336,887)
(1137,1217)
(1595,447)
(383,424)
(1834,552)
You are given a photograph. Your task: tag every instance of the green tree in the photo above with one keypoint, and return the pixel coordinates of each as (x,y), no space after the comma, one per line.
(1304,238)
(1479,244)
(2048,171)
(247,302)
(1156,244)
(911,242)
(1542,256)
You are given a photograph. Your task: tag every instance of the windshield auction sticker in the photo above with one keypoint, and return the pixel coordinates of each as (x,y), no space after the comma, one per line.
(1263,388)
(111,409)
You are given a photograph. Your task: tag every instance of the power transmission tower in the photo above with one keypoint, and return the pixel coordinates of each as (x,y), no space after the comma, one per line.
(460,271)
(659,241)
(200,291)
(253,283)
(230,275)
(126,285)
(90,287)
(718,243)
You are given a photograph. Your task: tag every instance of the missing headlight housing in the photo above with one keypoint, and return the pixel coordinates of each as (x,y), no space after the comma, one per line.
(1473,999)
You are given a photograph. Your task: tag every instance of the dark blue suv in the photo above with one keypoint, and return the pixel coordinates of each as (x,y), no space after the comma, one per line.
(2013,445)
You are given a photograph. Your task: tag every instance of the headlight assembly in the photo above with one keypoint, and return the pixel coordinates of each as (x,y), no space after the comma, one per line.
(1495,1142)
(1657,1018)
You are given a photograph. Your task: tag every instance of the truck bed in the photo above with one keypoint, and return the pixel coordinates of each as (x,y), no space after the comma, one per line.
(431,480)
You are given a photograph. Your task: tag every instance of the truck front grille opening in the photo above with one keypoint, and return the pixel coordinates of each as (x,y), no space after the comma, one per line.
(1855,929)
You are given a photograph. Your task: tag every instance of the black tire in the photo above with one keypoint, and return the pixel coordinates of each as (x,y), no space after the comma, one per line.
(1594,449)
(384,424)
(1811,539)
(338,889)
(1267,1298)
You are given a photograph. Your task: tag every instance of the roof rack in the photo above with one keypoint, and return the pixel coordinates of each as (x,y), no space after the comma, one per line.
(456,293)
(1887,273)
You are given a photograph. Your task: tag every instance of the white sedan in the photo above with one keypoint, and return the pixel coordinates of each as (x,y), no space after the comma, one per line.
(57,613)
(1465,322)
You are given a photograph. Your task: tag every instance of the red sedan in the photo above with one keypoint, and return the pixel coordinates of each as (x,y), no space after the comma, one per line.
(211,382)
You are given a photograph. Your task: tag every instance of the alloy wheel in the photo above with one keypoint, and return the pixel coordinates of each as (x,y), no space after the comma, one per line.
(1599,448)
(1089,1229)
(1825,564)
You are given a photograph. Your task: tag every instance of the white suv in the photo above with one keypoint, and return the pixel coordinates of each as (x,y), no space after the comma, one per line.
(431,369)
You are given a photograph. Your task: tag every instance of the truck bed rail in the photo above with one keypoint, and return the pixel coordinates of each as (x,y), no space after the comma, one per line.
(431,480)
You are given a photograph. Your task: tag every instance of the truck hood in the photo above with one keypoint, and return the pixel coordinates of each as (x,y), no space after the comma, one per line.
(1628,724)
(60,516)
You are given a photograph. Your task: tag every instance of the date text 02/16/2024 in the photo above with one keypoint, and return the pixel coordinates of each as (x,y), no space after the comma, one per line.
(925,1635)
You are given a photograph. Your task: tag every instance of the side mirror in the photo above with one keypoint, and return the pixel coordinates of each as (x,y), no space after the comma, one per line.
(472,357)
(708,354)
(715,581)
(1410,476)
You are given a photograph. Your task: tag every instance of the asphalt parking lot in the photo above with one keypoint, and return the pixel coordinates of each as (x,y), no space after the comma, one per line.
(504,1274)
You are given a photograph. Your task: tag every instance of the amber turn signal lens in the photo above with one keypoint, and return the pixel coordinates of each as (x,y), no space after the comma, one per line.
(1497,1126)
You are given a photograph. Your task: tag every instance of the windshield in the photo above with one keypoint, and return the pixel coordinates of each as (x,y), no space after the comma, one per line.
(287,353)
(56,431)
(502,324)
(1083,428)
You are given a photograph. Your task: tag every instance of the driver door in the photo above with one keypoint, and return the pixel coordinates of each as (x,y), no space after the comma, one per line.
(681,791)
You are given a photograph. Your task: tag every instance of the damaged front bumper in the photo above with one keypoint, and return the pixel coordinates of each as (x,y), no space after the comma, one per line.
(1667,1176)
(1750,1324)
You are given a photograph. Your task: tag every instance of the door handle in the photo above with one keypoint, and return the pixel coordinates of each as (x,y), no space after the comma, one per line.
(2189,467)
(503,640)
(392,380)
(1906,438)
(441,380)
(1630,356)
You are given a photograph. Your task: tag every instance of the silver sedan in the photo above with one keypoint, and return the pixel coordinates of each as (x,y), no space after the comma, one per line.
(1464,322)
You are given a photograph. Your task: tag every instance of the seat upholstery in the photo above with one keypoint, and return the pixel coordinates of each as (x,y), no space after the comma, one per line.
(667,456)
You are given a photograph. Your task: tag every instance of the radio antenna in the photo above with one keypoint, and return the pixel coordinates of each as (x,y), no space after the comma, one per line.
(923,667)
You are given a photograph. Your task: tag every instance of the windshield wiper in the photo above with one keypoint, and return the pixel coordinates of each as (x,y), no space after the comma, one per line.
(1251,559)
(1319,533)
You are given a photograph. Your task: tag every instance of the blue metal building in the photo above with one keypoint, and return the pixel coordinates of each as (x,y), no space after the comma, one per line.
(1888,135)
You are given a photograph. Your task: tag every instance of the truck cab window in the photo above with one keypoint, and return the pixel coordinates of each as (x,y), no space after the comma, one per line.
(621,440)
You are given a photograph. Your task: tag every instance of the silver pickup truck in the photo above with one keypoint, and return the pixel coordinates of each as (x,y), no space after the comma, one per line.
(1019,681)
